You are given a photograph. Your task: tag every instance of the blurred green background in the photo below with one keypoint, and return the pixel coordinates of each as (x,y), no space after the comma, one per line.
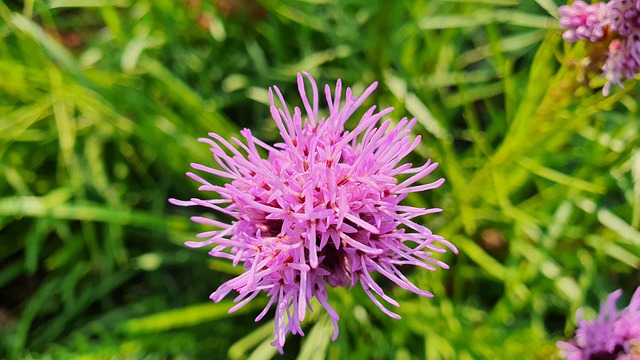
(101,103)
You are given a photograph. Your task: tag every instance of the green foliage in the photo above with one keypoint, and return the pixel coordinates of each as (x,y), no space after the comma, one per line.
(100,106)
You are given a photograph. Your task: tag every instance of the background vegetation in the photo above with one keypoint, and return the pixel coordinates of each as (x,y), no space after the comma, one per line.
(101,102)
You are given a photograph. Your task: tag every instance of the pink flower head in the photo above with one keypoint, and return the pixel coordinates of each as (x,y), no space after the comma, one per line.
(612,335)
(322,209)
(583,21)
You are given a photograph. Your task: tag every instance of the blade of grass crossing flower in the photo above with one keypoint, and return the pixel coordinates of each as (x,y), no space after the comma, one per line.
(316,343)
(261,335)
(264,351)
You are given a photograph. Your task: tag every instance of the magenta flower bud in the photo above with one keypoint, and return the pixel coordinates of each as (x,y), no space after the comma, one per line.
(583,21)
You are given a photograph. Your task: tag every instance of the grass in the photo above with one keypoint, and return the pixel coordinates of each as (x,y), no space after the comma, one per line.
(101,103)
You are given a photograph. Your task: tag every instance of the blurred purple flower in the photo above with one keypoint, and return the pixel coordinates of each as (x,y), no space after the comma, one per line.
(621,63)
(624,16)
(616,23)
(323,209)
(612,335)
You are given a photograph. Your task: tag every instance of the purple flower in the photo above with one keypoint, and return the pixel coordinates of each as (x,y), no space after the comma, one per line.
(616,23)
(583,21)
(627,328)
(621,63)
(613,335)
(322,209)
(624,16)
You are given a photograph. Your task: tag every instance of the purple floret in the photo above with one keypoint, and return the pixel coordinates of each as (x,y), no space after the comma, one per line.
(612,335)
(322,209)
(621,63)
